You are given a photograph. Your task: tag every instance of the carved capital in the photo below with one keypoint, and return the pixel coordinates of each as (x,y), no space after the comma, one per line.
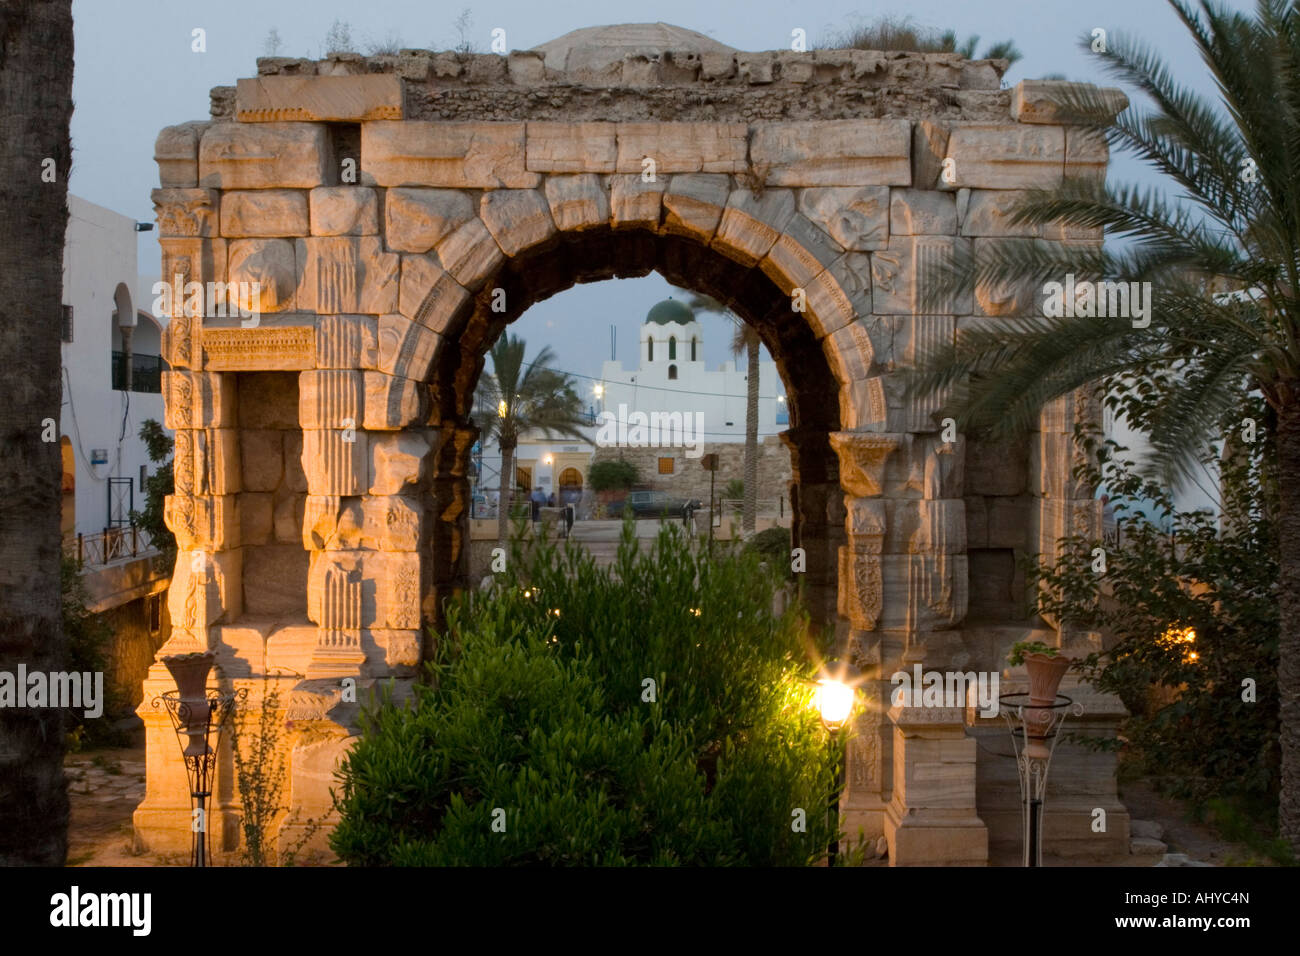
(862,460)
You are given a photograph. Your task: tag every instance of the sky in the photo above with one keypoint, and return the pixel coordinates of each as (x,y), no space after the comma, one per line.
(136,73)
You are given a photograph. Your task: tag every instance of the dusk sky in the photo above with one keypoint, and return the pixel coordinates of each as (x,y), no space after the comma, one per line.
(135,73)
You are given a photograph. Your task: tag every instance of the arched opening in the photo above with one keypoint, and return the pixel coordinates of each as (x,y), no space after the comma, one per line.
(672,372)
(650,350)
(672,349)
(694,358)
(68,486)
(810,383)
(570,485)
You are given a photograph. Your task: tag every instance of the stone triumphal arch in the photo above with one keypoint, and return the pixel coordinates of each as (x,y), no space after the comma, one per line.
(353,222)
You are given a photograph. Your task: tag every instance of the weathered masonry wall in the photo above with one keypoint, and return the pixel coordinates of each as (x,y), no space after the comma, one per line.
(382,204)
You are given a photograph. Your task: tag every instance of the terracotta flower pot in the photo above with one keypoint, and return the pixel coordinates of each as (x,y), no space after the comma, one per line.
(1045,674)
(190,671)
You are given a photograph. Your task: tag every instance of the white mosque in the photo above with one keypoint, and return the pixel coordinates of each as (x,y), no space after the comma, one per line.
(671,376)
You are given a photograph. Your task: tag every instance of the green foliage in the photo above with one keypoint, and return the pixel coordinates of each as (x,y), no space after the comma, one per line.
(156,488)
(542,716)
(613,474)
(734,489)
(1173,571)
(1021,648)
(535,397)
(902,33)
(774,546)
(87,636)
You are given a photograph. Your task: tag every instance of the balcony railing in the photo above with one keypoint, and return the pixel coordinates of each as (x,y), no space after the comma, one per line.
(146,372)
(107,546)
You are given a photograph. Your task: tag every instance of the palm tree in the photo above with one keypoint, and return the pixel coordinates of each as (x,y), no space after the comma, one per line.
(35,160)
(1237,225)
(517,397)
(744,341)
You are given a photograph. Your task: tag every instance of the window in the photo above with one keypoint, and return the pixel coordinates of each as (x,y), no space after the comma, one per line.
(155,614)
(67,323)
(650,350)
(666,466)
(672,348)
(692,348)
(672,371)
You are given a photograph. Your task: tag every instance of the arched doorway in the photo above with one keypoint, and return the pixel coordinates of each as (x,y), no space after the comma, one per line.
(570,484)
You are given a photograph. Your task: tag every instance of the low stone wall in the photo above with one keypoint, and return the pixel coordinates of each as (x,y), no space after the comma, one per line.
(690,480)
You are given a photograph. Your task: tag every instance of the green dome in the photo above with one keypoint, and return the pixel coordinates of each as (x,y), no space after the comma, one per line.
(670,310)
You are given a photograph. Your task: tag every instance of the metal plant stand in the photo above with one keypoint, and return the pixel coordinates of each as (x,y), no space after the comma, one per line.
(198,729)
(1035,731)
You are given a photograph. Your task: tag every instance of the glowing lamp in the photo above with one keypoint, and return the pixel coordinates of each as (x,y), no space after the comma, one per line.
(834,702)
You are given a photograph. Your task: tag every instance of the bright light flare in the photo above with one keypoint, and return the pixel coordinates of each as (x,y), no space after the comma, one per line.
(834,701)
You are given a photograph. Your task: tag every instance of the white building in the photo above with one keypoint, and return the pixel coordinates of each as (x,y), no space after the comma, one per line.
(671,376)
(104,460)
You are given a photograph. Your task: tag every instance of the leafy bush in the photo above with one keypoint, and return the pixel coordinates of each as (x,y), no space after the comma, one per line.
(1192,610)
(614,474)
(540,718)
(773,544)
(88,636)
(156,488)
(734,489)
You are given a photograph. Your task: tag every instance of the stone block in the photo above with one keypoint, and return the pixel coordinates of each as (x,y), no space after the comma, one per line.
(390,593)
(287,516)
(327,99)
(681,147)
(799,255)
(263,213)
(449,155)
(330,399)
(926,526)
(1008,523)
(901,273)
(755,68)
(751,224)
(333,465)
(635,203)
(347,341)
(255,522)
(346,274)
(1086,155)
(693,205)
(864,406)
(192,260)
(391,523)
(988,212)
(207,582)
(418,219)
(471,255)
(922,212)
(273,582)
(198,400)
(924,592)
(271,264)
(1005,156)
(264,156)
(834,153)
(262,454)
(289,649)
(1058,101)
(977,521)
(850,352)
(344,211)
(571,147)
(526,67)
(577,202)
(997,468)
(929,150)
(1003,298)
(855,217)
(392,403)
(202,522)
(241,651)
(406,348)
(185,213)
(428,294)
(205,461)
(398,463)
(517,219)
(176,151)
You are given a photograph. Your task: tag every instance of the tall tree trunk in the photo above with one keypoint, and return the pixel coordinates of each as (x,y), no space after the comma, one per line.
(35,110)
(750,506)
(507,493)
(1288,664)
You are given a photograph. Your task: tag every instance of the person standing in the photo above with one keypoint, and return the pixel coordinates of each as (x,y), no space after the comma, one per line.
(537,498)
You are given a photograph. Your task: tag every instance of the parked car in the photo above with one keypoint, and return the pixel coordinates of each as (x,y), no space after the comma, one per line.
(653,504)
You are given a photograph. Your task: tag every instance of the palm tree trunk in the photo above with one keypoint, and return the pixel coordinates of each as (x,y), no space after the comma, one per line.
(507,492)
(750,506)
(35,109)
(1288,664)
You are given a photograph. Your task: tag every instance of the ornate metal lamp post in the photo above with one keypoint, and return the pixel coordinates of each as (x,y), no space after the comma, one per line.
(198,717)
(1035,725)
(835,704)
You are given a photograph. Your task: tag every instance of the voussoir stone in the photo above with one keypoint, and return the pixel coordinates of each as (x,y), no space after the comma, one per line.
(418,219)
(518,219)
(428,294)
(263,156)
(636,202)
(693,204)
(577,202)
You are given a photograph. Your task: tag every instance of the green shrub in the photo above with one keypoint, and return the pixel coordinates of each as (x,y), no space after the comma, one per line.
(156,489)
(614,474)
(1189,725)
(542,723)
(773,545)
